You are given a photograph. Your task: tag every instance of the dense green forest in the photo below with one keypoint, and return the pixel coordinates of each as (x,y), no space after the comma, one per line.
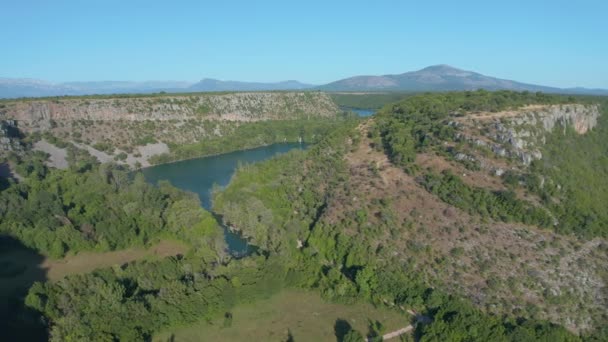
(367,100)
(131,303)
(98,207)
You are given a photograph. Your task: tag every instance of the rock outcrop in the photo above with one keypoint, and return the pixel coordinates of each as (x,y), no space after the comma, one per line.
(519,135)
(9,137)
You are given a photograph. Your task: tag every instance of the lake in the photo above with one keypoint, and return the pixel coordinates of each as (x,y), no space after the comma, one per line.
(200,174)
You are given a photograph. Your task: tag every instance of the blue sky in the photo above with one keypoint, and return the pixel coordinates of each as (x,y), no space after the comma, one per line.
(556,43)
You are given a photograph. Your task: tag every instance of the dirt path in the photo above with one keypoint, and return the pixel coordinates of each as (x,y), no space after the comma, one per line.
(419,319)
(397,333)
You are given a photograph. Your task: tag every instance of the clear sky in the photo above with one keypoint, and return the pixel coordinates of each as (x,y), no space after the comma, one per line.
(556,43)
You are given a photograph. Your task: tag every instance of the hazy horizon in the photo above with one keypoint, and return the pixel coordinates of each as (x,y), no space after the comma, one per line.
(553,43)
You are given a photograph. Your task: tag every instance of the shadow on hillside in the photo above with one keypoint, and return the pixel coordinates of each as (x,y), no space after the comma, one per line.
(20,267)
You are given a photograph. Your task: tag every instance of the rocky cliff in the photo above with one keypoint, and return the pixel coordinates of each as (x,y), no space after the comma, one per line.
(43,114)
(141,127)
(520,134)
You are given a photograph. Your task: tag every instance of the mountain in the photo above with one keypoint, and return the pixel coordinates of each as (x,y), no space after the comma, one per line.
(25,87)
(432,78)
(210,84)
(442,78)
(110,87)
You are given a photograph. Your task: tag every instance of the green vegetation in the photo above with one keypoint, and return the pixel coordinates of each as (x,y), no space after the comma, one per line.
(458,321)
(161,94)
(281,205)
(312,229)
(422,121)
(301,314)
(571,178)
(254,134)
(421,124)
(367,100)
(499,205)
(130,303)
(272,196)
(98,207)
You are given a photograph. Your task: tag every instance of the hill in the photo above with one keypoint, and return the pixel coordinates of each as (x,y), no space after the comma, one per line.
(485,196)
(478,215)
(432,78)
(442,78)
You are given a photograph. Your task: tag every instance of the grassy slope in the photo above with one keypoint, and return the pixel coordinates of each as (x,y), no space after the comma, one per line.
(302,313)
(33,267)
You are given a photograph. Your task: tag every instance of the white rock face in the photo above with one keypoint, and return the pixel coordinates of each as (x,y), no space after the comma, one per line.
(521,136)
(40,114)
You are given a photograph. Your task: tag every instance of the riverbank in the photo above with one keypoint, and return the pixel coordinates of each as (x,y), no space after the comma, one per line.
(202,175)
(244,149)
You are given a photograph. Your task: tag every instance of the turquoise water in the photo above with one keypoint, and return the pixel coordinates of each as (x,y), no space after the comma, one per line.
(200,174)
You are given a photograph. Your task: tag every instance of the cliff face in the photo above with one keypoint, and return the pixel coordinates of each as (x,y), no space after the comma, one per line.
(145,126)
(9,137)
(42,114)
(520,134)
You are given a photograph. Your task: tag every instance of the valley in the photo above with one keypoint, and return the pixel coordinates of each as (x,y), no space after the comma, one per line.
(319,171)
(426,205)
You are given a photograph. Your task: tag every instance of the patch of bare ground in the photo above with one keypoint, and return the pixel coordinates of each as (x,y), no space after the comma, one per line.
(88,261)
(57,156)
(502,267)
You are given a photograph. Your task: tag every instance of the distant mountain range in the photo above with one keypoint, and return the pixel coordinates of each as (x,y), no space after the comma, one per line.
(24,87)
(210,84)
(443,78)
(433,78)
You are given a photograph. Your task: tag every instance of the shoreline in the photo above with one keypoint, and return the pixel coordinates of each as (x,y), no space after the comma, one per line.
(221,153)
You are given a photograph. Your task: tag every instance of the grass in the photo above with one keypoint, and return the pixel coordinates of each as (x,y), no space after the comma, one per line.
(23,267)
(20,267)
(302,314)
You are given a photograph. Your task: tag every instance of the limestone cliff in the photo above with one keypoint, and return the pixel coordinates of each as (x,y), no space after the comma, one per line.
(520,134)
(42,114)
(145,126)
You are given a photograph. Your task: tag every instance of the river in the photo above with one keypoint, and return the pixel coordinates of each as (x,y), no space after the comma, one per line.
(200,174)
(362,112)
